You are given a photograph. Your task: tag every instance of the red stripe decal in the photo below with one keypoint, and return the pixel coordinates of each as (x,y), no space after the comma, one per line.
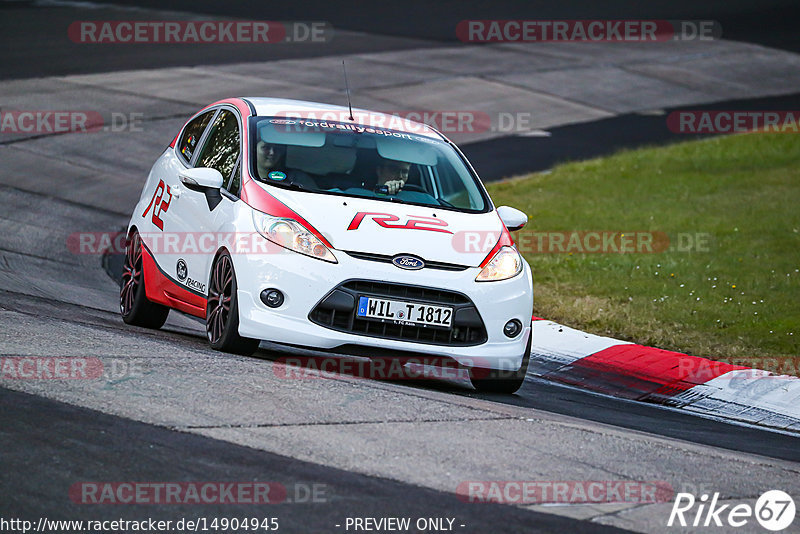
(159,288)
(253,194)
(641,373)
(505,240)
(256,197)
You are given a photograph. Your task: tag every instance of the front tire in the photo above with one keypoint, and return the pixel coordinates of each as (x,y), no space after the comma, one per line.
(222,311)
(133,304)
(499,381)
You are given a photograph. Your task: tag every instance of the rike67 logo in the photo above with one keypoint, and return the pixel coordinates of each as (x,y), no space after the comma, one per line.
(774,510)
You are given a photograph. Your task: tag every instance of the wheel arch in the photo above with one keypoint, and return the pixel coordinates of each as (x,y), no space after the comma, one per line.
(220,251)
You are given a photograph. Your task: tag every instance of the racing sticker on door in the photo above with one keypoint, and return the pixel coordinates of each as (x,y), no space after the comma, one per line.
(158,204)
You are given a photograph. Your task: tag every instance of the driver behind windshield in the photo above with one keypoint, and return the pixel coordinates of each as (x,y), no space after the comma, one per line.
(392,174)
(271,166)
(268,157)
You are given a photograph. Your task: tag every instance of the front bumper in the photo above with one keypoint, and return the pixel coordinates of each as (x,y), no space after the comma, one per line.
(305,281)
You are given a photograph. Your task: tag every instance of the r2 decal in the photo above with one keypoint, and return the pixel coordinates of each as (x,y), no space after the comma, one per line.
(386,219)
(159,204)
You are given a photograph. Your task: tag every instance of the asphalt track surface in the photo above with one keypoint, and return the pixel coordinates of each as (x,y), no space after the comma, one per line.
(510,156)
(75,439)
(52,303)
(574,402)
(359,27)
(390,25)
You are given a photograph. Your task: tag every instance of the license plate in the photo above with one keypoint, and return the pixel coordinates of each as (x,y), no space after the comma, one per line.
(401,312)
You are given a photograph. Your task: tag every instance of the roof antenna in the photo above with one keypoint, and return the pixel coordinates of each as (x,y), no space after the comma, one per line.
(347,86)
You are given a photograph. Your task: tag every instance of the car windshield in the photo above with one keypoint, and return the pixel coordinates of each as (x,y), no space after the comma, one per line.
(359,161)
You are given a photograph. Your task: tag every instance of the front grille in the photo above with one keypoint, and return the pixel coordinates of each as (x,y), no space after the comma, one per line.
(388,259)
(337,312)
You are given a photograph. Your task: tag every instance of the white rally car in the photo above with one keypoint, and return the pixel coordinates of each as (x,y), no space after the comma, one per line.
(316,226)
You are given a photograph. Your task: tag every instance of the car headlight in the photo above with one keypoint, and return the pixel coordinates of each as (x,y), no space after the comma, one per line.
(290,234)
(506,263)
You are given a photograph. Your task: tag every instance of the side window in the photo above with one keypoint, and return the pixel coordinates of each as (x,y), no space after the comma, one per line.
(221,150)
(192,134)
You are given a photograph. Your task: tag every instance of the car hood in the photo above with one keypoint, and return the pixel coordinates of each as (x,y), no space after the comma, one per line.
(370,226)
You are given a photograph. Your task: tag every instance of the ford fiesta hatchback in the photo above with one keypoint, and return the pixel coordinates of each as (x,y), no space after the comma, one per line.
(310,225)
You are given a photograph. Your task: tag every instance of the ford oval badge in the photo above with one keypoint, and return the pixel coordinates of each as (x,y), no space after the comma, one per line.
(411,263)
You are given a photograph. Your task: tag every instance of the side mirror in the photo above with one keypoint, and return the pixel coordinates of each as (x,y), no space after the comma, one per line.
(200,178)
(512,218)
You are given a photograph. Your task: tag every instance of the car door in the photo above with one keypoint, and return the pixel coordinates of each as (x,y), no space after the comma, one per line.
(163,219)
(206,215)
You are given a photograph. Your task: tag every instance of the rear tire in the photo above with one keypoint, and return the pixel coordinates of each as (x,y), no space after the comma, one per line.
(499,381)
(133,304)
(222,311)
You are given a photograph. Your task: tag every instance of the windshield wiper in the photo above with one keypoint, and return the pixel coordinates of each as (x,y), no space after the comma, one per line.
(292,185)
